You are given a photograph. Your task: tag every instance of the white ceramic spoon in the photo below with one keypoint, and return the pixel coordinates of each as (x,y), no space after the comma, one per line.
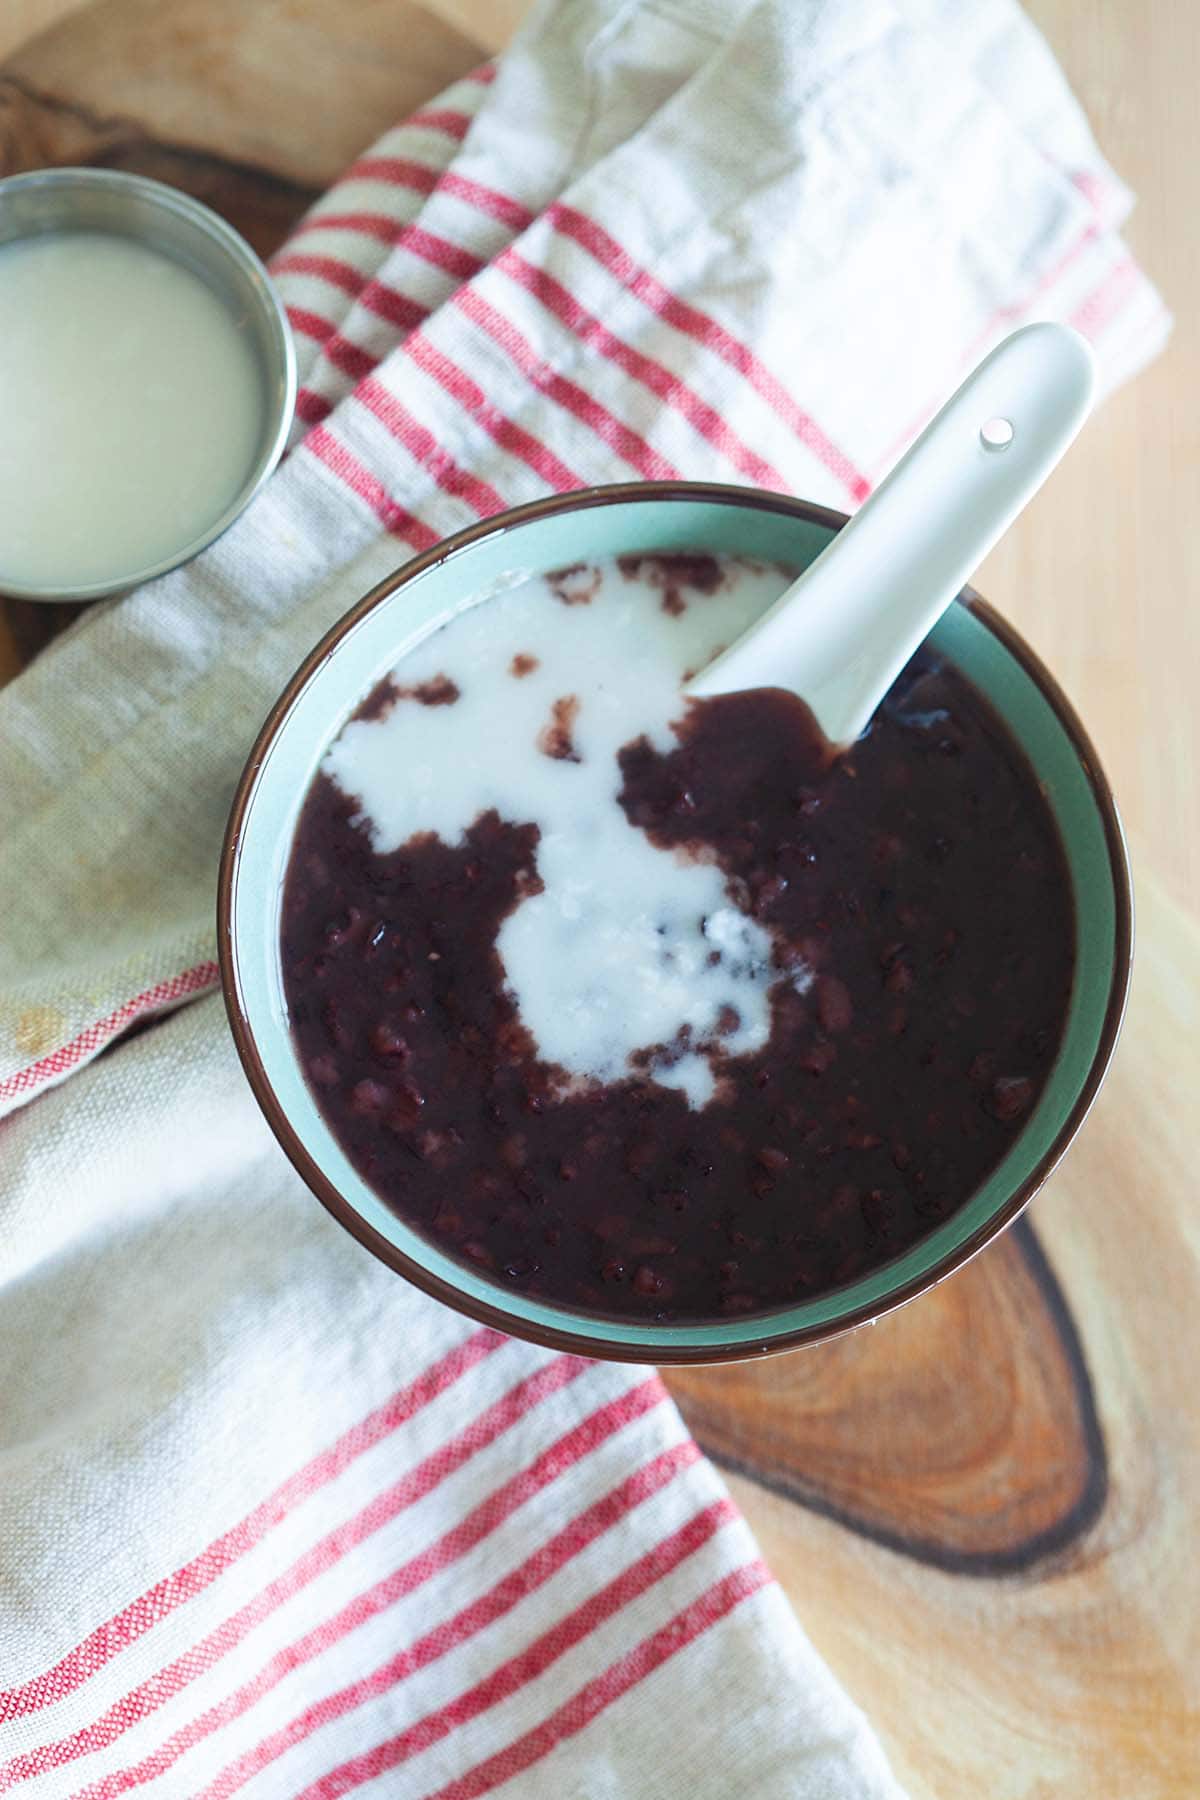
(841,634)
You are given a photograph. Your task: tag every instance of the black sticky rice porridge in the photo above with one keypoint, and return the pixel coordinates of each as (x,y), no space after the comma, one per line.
(651,1007)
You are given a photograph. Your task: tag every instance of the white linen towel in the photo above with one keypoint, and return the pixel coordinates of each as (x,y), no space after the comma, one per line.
(272,1521)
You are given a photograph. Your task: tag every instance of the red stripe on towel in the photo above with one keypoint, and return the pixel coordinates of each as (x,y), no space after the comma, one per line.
(107,1640)
(93,1037)
(341,462)
(471,397)
(627,1672)
(200,1658)
(448,1634)
(401,171)
(653,374)
(442,118)
(518,1671)
(620,437)
(704,329)
(421,444)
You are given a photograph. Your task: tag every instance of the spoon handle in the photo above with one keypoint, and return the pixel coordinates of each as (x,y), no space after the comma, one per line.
(841,634)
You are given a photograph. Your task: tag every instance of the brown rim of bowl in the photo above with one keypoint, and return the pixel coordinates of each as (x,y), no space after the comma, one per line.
(591,1339)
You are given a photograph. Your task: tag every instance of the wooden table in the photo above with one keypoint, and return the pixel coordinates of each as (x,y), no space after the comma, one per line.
(982,1507)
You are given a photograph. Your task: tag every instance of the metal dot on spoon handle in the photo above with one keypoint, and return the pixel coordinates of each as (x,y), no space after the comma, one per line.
(840,635)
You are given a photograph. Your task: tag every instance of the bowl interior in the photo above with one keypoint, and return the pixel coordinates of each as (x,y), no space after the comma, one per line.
(51,201)
(332,686)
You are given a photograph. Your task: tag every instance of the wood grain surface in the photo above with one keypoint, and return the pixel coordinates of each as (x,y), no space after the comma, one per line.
(962,1432)
(982,1507)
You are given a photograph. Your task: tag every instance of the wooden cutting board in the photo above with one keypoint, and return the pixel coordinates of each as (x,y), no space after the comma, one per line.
(982,1507)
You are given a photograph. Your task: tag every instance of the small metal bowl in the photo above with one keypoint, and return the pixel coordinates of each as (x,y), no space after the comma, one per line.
(60,200)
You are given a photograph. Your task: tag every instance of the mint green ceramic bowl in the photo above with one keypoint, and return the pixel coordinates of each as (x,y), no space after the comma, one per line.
(605,522)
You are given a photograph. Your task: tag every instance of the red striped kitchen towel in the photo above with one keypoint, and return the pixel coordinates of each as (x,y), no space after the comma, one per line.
(271,1521)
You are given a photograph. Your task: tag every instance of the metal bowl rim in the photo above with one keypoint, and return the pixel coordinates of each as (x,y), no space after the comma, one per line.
(237,251)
